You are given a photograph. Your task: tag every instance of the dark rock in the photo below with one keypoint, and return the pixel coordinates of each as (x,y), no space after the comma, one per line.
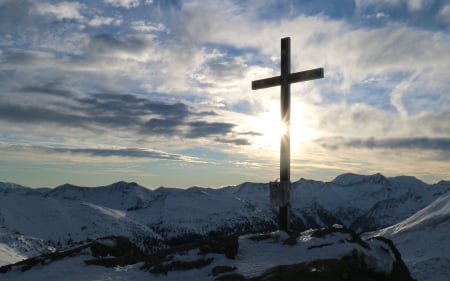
(222,269)
(5,268)
(231,277)
(351,267)
(261,237)
(116,246)
(322,232)
(292,240)
(399,269)
(228,245)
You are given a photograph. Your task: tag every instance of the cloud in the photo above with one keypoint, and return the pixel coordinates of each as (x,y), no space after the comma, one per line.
(97,21)
(179,74)
(350,54)
(123,3)
(444,14)
(137,153)
(53,89)
(113,113)
(397,95)
(24,57)
(418,143)
(15,113)
(234,141)
(199,129)
(150,27)
(15,16)
(122,152)
(61,11)
(415,5)
(105,43)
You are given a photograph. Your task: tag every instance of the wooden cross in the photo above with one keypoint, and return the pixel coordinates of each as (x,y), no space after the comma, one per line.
(285,80)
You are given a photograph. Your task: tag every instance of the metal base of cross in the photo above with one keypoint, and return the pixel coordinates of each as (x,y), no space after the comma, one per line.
(283,218)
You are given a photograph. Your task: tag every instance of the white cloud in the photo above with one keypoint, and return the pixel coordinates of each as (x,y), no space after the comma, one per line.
(61,11)
(150,27)
(444,14)
(97,21)
(378,15)
(123,3)
(414,5)
(397,95)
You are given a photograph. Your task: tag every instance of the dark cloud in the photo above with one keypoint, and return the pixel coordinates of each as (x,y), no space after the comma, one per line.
(161,126)
(126,152)
(418,143)
(34,114)
(105,43)
(110,111)
(15,16)
(21,57)
(250,133)
(53,88)
(98,152)
(235,141)
(198,129)
(131,105)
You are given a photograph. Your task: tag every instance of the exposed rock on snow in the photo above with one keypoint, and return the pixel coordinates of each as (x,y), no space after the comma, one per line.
(322,254)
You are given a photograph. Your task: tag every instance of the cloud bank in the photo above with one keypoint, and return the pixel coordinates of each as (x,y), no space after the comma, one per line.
(169,80)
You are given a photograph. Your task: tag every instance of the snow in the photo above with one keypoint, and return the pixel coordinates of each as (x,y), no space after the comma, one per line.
(9,255)
(423,240)
(254,257)
(34,221)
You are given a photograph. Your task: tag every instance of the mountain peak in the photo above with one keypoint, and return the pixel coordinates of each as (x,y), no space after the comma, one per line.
(122,185)
(352,179)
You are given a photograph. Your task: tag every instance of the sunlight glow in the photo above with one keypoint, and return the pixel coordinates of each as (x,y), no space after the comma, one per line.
(271,127)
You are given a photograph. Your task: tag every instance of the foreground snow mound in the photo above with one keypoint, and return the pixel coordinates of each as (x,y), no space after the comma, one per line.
(322,254)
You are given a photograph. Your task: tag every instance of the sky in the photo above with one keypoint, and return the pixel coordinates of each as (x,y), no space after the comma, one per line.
(159,92)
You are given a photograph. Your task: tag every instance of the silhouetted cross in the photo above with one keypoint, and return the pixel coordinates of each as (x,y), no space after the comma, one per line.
(285,80)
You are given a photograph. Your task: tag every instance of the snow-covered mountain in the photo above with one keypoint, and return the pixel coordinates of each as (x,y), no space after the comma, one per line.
(424,241)
(48,219)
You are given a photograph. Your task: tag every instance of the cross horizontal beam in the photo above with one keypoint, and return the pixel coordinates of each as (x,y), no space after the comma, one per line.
(292,78)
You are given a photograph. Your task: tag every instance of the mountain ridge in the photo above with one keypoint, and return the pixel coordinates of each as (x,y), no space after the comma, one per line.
(167,217)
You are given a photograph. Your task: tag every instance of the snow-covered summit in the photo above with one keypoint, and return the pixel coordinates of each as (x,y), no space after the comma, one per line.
(349,179)
(120,195)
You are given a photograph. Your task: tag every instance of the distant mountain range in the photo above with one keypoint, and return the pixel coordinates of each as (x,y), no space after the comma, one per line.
(33,221)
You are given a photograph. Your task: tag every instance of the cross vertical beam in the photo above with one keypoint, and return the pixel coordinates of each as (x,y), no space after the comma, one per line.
(285,80)
(285,145)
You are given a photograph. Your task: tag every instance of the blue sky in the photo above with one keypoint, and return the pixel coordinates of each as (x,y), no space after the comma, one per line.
(159,92)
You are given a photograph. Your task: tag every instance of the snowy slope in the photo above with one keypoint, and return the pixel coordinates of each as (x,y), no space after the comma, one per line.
(15,247)
(424,241)
(58,223)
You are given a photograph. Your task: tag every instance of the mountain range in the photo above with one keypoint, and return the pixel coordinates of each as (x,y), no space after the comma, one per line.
(404,209)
